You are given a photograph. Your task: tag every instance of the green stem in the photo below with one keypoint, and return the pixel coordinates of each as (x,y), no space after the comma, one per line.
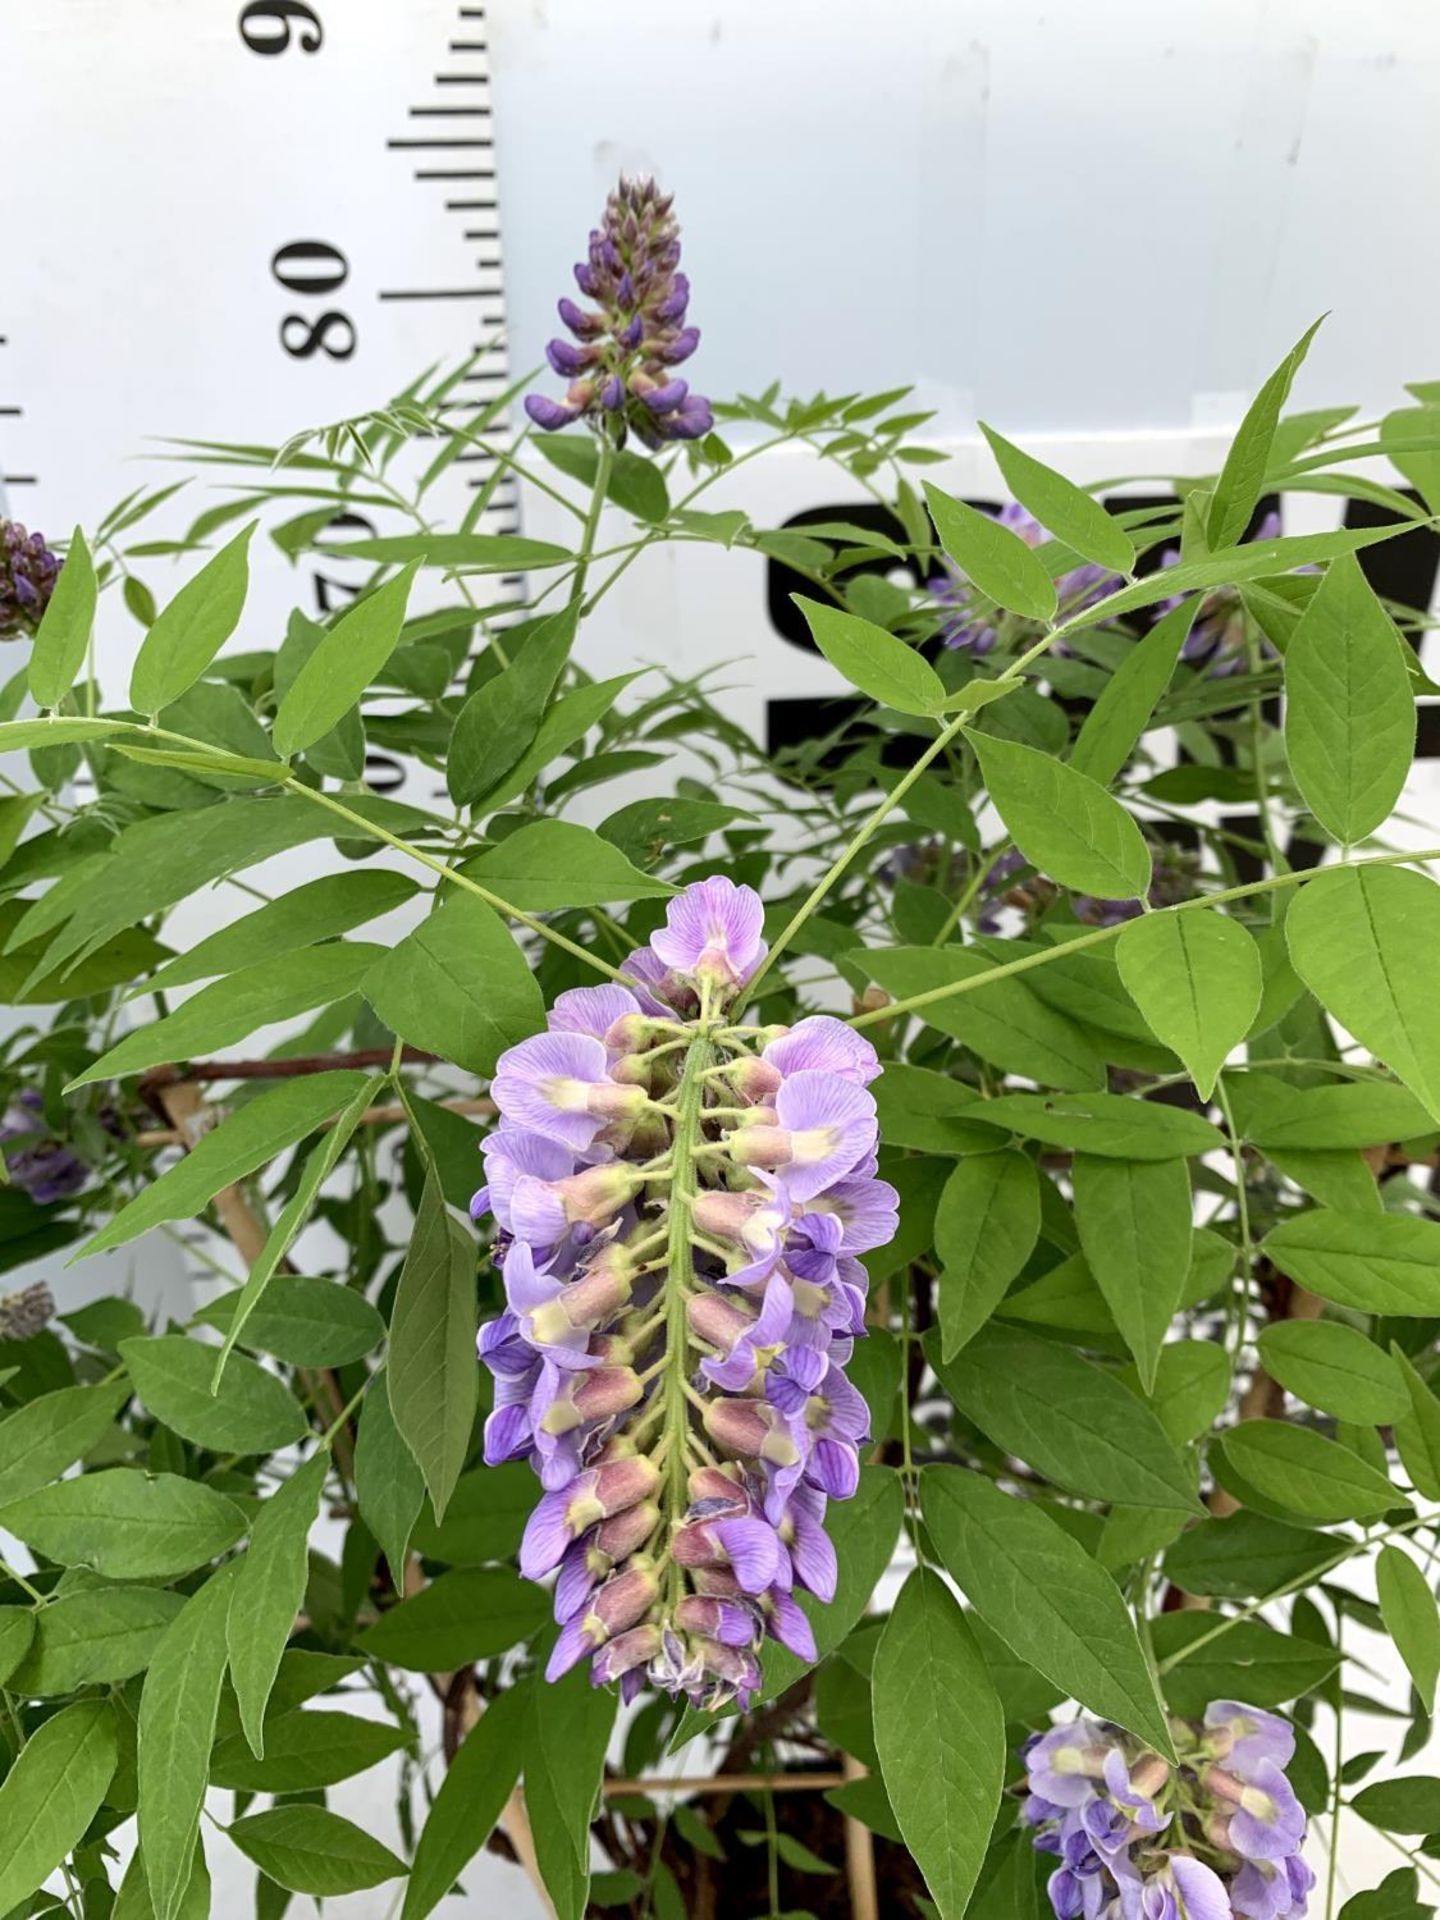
(1100,934)
(369,828)
(680,1267)
(1336,1781)
(1246,1263)
(592,521)
(818,892)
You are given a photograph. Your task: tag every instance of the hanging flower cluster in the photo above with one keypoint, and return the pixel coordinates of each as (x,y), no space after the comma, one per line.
(966,625)
(1221,1834)
(622,371)
(28,572)
(681,1204)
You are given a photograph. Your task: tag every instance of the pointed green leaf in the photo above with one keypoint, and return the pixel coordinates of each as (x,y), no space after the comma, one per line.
(1111,728)
(1242,478)
(389,1487)
(1135,1224)
(259,1132)
(51,1794)
(63,637)
(230,1009)
(1407,1606)
(318,910)
(267,1591)
(1036,1586)
(187,634)
(311,1850)
(985,1230)
(1197,979)
(472,1796)
(94,1637)
(1363,940)
(549,864)
(1066,512)
(126,1525)
(304,1751)
(178,1707)
(1063,822)
(1417,1434)
(253,1411)
(998,561)
(1349,709)
(319,1165)
(1072,1421)
(471,1614)
(301,1320)
(1306,1474)
(458,986)
(873,660)
(343,665)
(565,1738)
(39,1440)
(940,1733)
(1336,1370)
(1373,1262)
(430,1377)
(499,721)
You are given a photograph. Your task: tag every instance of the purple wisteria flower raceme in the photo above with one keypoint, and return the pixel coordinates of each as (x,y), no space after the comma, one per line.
(969,624)
(622,372)
(1221,1834)
(681,1204)
(28,572)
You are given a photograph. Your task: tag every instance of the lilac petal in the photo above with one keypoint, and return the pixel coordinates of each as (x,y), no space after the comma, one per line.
(526,1285)
(869,1212)
(509,1152)
(1269,1822)
(825,1044)
(546,1536)
(835,1467)
(534,1080)
(812,1554)
(576,1583)
(666,398)
(507,1435)
(1201,1890)
(570,1649)
(753,1550)
(714,921)
(591,1010)
(537,1214)
(786,1623)
(646,969)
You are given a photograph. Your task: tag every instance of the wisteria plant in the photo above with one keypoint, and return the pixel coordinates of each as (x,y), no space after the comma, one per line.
(841,1331)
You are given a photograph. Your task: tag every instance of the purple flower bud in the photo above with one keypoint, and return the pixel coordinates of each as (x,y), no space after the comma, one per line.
(549,414)
(570,360)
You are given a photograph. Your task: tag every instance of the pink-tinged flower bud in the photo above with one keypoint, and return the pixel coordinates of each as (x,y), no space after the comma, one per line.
(622,1483)
(585,1303)
(731,1622)
(753,1428)
(607,1391)
(755,1081)
(625,1599)
(718,1319)
(725,1216)
(593,1198)
(722,1582)
(627,1532)
(636,1648)
(736,1666)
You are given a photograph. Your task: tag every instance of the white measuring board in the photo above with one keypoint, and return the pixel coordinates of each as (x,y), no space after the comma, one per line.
(263,215)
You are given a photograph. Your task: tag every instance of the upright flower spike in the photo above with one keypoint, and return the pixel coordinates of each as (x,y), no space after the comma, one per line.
(621,373)
(1222,1834)
(680,1207)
